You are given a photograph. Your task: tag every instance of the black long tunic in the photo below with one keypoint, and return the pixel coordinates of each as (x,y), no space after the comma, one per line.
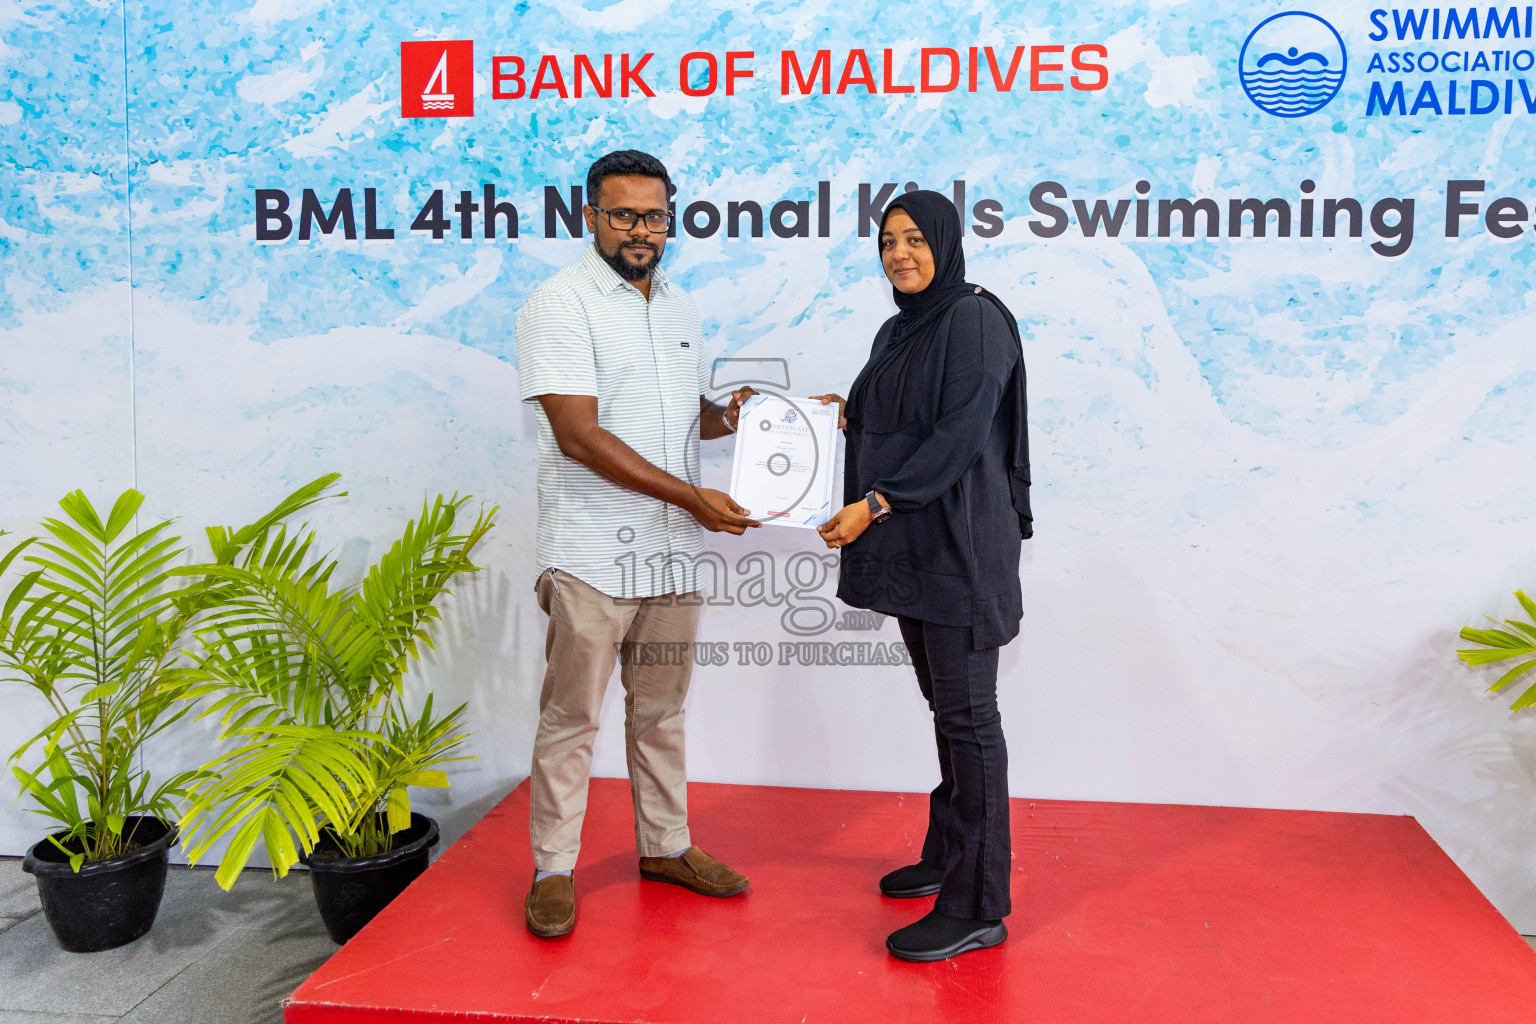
(949,551)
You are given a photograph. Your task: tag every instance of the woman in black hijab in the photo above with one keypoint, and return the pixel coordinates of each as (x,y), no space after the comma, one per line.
(937,492)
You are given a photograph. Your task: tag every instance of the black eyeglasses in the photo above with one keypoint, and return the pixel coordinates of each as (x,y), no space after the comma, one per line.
(624,220)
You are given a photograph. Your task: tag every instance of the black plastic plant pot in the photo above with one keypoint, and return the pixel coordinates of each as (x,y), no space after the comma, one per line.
(107,903)
(352,890)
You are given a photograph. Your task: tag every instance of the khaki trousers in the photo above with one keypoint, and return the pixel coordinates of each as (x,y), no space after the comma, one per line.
(586,631)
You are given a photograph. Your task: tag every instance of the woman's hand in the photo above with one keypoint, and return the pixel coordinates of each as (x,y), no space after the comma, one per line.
(846,524)
(842,405)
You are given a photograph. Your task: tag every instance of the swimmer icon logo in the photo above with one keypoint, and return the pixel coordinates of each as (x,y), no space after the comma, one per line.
(1292,64)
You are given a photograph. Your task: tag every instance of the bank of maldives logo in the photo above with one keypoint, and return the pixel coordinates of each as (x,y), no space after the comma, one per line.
(437,79)
(1292,64)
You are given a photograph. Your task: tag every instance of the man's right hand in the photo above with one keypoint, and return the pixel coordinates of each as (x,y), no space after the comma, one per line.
(573,418)
(718,512)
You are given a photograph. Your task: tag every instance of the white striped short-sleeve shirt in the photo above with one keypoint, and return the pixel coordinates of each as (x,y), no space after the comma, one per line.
(585,331)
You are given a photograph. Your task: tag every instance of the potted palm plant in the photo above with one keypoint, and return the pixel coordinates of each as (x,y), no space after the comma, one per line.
(94,626)
(1519,641)
(306,678)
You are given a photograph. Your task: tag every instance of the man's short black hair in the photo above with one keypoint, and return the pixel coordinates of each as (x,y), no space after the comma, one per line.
(627,162)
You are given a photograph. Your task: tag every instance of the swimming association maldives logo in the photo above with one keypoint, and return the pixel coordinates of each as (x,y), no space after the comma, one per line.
(437,78)
(1292,64)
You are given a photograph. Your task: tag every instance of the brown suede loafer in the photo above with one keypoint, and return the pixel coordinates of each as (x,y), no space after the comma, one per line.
(694,870)
(550,909)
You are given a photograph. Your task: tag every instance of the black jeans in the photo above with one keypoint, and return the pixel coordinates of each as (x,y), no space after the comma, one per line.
(968,812)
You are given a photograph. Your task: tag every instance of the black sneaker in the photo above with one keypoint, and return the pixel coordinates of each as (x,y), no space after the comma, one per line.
(939,937)
(920,879)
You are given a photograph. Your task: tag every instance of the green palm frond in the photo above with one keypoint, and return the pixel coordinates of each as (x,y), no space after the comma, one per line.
(93,628)
(396,598)
(95,625)
(410,756)
(270,789)
(228,544)
(286,655)
(1519,641)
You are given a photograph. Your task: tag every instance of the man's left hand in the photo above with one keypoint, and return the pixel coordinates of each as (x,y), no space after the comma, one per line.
(733,411)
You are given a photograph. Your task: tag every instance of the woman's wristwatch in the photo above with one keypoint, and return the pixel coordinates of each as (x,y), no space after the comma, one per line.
(877,511)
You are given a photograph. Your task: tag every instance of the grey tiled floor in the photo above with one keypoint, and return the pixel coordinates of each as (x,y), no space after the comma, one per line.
(212,958)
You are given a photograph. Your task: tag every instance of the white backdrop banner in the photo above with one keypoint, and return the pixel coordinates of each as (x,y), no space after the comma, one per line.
(1272,267)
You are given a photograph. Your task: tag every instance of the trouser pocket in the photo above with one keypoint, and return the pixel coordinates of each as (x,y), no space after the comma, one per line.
(544,585)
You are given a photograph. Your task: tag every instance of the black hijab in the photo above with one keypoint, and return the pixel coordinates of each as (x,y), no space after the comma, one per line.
(922,322)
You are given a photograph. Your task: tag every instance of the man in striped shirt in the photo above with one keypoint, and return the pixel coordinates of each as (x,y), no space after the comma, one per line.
(613,353)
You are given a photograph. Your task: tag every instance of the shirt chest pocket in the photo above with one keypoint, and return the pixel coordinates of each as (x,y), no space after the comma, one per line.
(680,366)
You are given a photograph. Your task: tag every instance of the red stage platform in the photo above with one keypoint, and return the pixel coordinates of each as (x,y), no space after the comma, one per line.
(1122,913)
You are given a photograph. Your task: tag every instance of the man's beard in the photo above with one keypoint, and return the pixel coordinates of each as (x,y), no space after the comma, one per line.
(627,270)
